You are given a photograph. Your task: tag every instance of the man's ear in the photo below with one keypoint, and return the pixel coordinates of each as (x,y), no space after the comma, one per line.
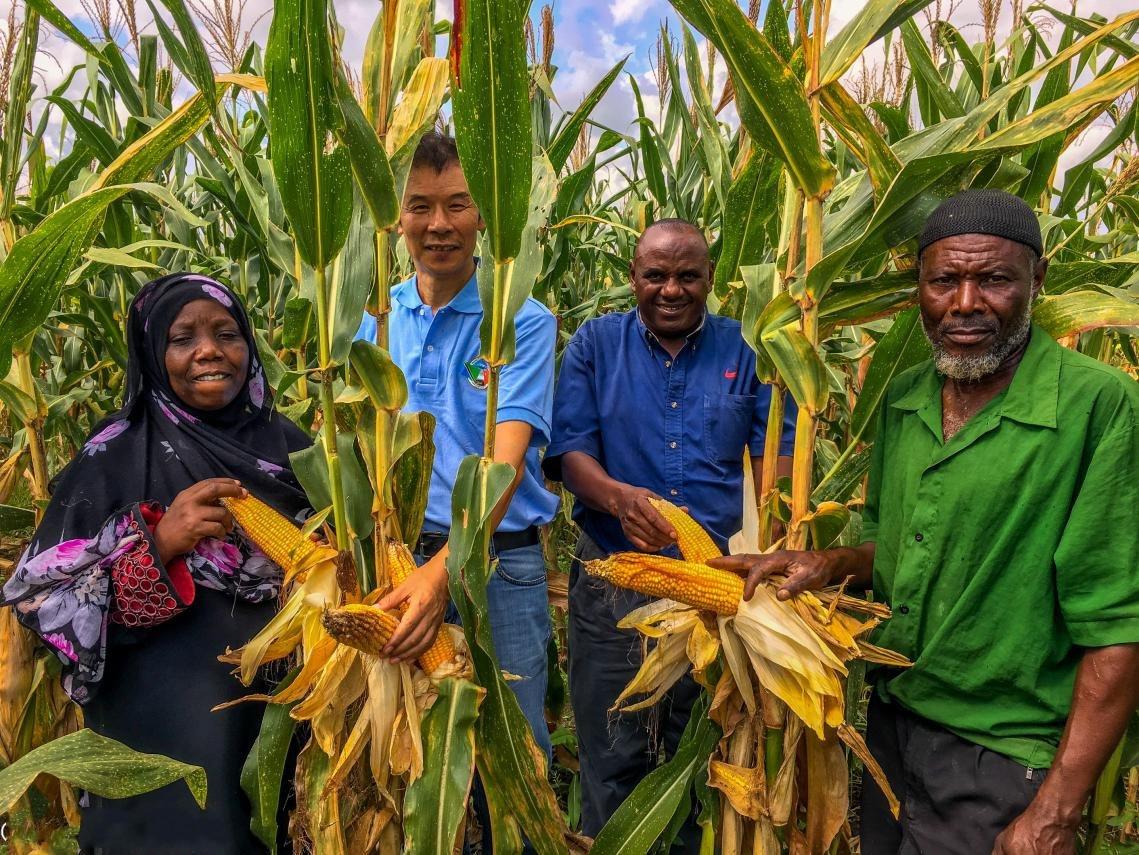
(482,223)
(1038,274)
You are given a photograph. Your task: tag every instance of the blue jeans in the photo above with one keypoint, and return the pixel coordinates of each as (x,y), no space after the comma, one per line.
(520,628)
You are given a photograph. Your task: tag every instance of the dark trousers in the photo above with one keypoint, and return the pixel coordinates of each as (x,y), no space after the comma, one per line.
(956,796)
(615,750)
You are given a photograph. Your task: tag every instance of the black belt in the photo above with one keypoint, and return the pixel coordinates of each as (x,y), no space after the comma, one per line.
(431,542)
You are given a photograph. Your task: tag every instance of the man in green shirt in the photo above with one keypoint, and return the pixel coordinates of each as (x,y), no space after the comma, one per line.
(1001,527)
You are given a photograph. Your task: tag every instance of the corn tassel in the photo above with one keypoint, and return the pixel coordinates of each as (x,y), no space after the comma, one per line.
(275,535)
(695,544)
(401,565)
(695,585)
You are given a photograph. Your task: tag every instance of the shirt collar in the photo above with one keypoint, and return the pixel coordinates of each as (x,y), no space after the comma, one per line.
(651,338)
(466,301)
(1032,396)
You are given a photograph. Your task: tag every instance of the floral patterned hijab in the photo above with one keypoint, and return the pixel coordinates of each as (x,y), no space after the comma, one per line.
(155,446)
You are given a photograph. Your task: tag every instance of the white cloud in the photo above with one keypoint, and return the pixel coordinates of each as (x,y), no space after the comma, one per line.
(627,11)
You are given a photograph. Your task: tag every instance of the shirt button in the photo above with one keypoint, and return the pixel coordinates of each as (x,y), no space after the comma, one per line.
(430,348)
(919,537)
(668,363)
(672,445)
(905,610)
(674,405)
(421,311)
(674,492)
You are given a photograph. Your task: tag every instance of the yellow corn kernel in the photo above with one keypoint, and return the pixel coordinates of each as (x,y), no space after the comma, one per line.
(695,544)
(275,534)
(400,566)
(696,585)
(364,627)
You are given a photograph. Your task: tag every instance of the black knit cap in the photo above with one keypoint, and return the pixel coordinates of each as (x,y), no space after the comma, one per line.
(983,212)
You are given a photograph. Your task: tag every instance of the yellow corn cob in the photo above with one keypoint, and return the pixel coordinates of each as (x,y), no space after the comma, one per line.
(695,544)
(696,585)
(275,534)
(401,565)
(364,627)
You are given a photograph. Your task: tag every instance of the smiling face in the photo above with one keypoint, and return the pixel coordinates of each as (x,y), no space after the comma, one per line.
(440,223)
(207,359)
(671,277)
(975,293)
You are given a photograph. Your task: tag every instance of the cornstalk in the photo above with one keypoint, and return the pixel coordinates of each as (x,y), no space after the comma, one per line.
(383,292)
(807,423)
(328,408)
(33,428)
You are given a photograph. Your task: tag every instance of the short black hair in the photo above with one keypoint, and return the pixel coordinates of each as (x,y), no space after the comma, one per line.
(673,224)
(436,150)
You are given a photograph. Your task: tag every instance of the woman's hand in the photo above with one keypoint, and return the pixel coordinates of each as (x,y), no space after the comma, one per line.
(426,595)
(195,513)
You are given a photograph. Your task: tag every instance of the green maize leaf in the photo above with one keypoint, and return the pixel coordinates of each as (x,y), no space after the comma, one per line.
(415,113)
(436,802)
(99,765)
(18,402)
(761,286)
(641,819)
(1113,272)
(650,153)
(118,258)
(799,365)
(503,288)
(88,131)
(264,768)
(772,104)
(1065,112)
(198,68)
(849,121)
(353,275)
(311,165)
(490,94)
(1121,46)
(902,347)
(865,300)
(926,76)
(369,160)
(318,804)
(16,519)
(311,470)
(566,139)
(380,376)
(844,478)
(393,42)
(717,162)
(1081,311)
(749,201)
(411,474)
(844,48)
(510,763)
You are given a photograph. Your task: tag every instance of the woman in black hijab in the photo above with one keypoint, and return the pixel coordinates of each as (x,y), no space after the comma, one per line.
(136,578)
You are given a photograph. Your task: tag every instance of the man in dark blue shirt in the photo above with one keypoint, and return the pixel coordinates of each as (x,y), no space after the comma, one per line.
(657,402)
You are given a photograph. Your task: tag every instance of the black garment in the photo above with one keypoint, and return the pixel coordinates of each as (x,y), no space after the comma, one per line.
(616,750)
(160,682)
(956,797)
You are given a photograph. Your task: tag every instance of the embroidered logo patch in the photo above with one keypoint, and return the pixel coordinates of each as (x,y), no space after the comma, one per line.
(478,372)
(731,374)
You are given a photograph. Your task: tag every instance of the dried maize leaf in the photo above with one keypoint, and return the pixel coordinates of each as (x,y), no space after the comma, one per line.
(353,748)
(882,656)
(383,700)
(781,798)
(660,670)
(742,786)
(694,542)
(828,795)
(857,744)
(306,677)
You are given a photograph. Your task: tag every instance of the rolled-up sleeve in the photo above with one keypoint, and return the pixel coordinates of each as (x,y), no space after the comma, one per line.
(577,422)
(1097,559)
(526,385)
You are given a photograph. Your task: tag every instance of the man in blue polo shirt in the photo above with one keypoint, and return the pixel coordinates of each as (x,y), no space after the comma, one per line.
(433,336)
(659,402)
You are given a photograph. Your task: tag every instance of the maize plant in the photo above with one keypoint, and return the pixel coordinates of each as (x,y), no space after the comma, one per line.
(810,171)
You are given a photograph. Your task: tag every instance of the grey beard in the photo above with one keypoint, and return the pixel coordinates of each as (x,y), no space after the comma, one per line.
(970,369)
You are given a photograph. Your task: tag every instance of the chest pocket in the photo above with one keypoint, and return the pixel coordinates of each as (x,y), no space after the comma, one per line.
(727,425)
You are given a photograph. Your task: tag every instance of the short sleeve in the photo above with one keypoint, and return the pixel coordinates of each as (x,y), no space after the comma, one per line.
(874,482)
(758,438)
(577,422)
(1097,559)
(526,385)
